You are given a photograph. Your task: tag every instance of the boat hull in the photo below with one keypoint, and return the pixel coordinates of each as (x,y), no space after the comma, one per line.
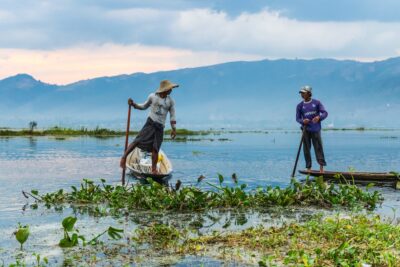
(134,164)
(378,178)
(160,178)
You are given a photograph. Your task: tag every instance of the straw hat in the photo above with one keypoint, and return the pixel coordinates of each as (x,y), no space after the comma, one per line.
(166,85)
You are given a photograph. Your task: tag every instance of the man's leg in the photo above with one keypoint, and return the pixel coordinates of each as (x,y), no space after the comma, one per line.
(154,160)
(158,139)
(306,149)
(128,150)
(319,150)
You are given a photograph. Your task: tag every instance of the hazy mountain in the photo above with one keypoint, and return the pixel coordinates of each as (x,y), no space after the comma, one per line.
(261,94)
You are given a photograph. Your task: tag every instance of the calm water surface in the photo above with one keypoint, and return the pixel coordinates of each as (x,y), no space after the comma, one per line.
(259,159)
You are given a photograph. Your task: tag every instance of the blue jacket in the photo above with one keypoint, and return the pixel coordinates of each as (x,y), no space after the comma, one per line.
(309,110)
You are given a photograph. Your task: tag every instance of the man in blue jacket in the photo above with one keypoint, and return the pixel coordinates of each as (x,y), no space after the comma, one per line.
(309,113)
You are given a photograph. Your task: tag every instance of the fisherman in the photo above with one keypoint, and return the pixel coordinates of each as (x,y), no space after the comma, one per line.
(152,133)
(309,113)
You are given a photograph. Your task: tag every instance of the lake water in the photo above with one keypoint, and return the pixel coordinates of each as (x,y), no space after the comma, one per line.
(259,159)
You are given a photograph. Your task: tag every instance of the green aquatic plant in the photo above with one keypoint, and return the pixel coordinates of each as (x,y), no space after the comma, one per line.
(318,193)
(190,132)
(335,240)
(184,139)
(112,232)
(72,240)
(197,153)
(159,235)
(22,234)
(40,261)
(321,241)
(157,197)
(83,131)
(342,241)
(397,174)
(18,263)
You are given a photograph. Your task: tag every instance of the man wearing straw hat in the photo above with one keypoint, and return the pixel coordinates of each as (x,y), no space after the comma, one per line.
(309,113)
(152,133)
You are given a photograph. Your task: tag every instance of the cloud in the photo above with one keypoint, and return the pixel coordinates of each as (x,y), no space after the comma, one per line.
(64,41)
(49,25)
(62,66)
(273,35)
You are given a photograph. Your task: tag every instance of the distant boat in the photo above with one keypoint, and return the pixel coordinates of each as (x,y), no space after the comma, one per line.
(378,178)
(139,163)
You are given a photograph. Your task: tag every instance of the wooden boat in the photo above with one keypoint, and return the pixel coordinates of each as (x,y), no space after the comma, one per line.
(138,163)
(378,178)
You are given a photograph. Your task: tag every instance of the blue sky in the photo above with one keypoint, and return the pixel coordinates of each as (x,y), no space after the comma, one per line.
(62,41)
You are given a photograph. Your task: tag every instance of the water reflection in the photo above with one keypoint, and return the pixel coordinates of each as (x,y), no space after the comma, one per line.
(32,143)
(203,222)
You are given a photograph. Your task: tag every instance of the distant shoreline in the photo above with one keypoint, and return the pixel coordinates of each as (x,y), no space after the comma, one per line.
(60,131)
(105,132)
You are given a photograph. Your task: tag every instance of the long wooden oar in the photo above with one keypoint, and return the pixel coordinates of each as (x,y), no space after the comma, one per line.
(128,123)
(298,151)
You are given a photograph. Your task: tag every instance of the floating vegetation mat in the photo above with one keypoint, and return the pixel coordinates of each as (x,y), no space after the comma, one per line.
(329,241)
(157,197)
(157,239)
(356,240)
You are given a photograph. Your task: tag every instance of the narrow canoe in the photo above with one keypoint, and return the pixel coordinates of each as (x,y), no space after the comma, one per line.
(359,177)
(138,163)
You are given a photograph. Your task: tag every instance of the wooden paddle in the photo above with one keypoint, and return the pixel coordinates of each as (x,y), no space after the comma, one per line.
(298,152)
(128,123)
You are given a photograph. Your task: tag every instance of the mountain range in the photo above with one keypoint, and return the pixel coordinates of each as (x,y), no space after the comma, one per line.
(246,95)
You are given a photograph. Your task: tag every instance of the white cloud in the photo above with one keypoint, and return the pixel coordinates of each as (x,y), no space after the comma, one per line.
(68,42)
(267,32)
(273,35)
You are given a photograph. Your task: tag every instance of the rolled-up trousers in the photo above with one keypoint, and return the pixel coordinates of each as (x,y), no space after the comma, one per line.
(315,138)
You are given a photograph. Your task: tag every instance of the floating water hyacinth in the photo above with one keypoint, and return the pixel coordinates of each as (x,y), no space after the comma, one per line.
(72,240)
(22,234)
(157,197)
(321,241)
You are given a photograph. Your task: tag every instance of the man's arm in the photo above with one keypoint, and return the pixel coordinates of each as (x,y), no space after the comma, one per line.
(322,112)
(299,117)
(143,106)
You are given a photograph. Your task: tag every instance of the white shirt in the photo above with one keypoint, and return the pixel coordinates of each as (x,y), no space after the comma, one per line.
(159,108)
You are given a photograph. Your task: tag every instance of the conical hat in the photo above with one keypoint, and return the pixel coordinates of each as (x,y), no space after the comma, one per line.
(166,85)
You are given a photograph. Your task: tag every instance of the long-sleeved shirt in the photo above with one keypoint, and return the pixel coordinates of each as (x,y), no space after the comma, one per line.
(159,108)
(309,110)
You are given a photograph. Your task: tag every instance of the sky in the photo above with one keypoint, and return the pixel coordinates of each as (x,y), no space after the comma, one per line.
(63,41)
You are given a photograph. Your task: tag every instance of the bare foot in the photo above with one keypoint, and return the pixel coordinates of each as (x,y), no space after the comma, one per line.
(154,171)
(308,169)
(321,169)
